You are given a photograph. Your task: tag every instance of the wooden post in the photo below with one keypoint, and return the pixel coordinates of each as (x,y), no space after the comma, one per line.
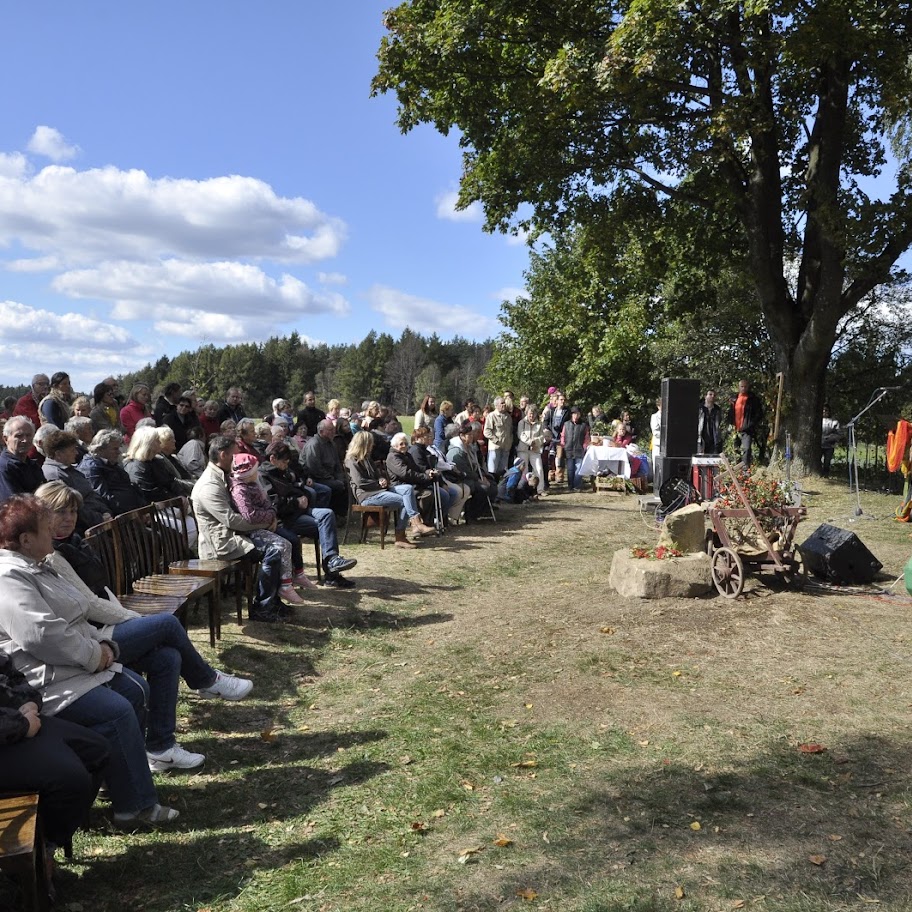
(780,377)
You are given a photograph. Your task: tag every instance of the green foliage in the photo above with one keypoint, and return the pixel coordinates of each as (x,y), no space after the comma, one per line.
(744,134)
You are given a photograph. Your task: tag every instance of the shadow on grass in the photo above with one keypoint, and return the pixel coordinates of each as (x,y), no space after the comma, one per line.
(827,829)
(178,873)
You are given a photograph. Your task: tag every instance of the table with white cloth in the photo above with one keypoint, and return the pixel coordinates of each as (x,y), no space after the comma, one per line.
(605,458)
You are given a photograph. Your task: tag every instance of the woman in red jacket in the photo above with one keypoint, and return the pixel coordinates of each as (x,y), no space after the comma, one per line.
(135,410)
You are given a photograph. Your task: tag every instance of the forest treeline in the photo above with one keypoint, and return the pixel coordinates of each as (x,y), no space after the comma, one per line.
(397,372)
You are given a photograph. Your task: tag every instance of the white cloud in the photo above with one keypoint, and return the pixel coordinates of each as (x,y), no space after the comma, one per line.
(446,209)
(424,315)
(83,217)
(509,294)
(332,278)
(21,323)
(222,300)
(32,339)
(50,143)
(13,164)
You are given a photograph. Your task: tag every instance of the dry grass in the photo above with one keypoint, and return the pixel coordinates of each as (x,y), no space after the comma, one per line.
(491,683)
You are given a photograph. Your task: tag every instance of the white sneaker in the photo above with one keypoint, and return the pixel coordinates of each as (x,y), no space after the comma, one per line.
(174,758)
(228,687)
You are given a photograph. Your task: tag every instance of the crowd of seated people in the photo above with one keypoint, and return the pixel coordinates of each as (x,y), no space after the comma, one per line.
(253,489)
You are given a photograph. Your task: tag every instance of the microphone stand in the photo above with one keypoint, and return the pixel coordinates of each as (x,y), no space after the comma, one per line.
(876,396)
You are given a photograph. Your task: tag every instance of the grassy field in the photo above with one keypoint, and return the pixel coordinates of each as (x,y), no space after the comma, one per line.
(483,725)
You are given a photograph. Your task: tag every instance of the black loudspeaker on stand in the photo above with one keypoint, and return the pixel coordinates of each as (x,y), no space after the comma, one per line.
(678,433)
(839,556)
(680,417)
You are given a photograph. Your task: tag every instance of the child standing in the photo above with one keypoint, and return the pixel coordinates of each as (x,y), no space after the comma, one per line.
(254,505)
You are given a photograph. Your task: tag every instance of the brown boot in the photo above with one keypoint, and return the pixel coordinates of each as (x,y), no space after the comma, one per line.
(419,528)
(402,541)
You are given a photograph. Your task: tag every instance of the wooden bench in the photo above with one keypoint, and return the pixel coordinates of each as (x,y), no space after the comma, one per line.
(22,849)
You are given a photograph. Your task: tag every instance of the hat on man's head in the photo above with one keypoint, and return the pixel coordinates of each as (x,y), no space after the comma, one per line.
(575,410)
(243,466)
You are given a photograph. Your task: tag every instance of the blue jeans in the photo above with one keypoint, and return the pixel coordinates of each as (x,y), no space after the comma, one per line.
(573,464)
(317,522)
(497,460)
(159,647)
(321,496)
(116,711)
(391,500)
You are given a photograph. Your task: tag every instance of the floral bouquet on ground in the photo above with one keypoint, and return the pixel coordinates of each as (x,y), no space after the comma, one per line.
(660,552)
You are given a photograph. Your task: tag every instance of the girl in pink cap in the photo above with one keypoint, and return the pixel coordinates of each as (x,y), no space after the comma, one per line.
(253,504)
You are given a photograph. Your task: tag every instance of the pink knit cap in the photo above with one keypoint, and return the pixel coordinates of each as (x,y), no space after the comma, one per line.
(243,466)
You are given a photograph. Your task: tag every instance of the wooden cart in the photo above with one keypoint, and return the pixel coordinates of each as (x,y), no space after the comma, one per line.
(775,551)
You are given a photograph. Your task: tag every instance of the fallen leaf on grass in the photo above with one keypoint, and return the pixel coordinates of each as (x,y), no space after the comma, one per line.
(468,786)
(438,813)
(738,904)
(608,630)
(811,748)
(503,841)
(528,894)
(834,837)
(817,859)
(466,856)
(696,826)
(268,734)
(679,893)
(418,826)
(867,899)
(677,674)
(525,764)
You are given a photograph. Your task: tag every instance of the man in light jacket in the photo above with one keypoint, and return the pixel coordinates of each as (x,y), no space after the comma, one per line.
(221,527)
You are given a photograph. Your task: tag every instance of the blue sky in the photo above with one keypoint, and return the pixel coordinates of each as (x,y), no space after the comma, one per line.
(179,173)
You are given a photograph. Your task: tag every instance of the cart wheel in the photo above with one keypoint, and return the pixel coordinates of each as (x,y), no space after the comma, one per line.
(727,572)
(709,543)
(796,573)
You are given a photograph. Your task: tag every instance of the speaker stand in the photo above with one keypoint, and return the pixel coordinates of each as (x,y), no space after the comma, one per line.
(858,514)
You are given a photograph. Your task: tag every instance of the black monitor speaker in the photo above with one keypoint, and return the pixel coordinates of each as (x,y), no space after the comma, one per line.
(839,555)
(680,417)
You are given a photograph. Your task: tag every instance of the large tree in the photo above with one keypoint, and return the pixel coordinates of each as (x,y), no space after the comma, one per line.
(774,116)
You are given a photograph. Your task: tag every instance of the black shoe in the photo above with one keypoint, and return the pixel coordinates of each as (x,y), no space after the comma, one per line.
(267,615)
(337,581)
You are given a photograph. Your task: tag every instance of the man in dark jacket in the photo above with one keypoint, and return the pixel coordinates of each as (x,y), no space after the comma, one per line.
(709,427)
(295,510)
(746,415)
(181,420)
(321,461)
(166,403)
(310,416)
(232,407)
(18,473)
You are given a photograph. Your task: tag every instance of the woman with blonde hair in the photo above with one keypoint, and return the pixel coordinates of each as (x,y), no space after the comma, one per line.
(373,488)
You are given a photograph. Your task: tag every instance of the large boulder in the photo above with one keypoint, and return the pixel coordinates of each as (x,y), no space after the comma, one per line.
(676,577)
(685,529)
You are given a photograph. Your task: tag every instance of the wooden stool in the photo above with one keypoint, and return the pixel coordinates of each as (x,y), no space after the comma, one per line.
(22,849)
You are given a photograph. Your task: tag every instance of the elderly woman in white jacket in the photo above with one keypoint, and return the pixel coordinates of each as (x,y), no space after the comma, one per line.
(44,626)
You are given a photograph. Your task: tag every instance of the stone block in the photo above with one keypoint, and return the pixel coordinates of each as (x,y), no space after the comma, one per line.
(677,577)
(685,529)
